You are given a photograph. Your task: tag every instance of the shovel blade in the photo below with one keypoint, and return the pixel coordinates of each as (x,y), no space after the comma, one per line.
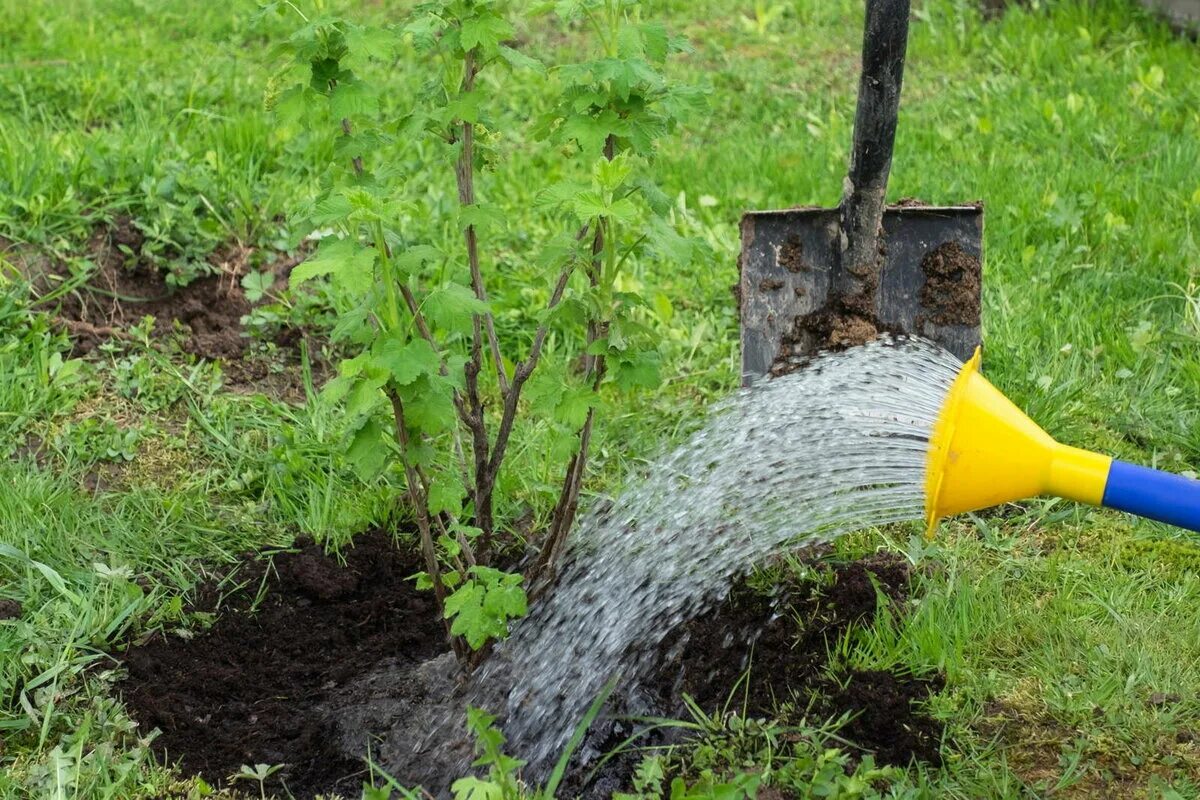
(929,283)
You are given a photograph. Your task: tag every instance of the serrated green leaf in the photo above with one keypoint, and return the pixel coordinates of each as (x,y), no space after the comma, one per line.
(609,174)
(448,545)
(350,264)
(518,60)
(480,215)
(429,405)
(446,494)
(353,99)
(485,31)
(415,256)
(371,43)
(404,362)
(638,371)
(364,396)
(257,284)
(293,105)
(367,451)
(590,132)
(331,209)
(452,306)
(464,107)
(557,194)
(573,406)
(482,607)
(472,788)
(589,204)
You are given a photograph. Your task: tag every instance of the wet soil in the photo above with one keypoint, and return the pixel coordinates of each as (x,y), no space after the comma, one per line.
(206,314)
(791,256)
(778,643)
(844,321)
(951,293)
(245,691)
(307,674)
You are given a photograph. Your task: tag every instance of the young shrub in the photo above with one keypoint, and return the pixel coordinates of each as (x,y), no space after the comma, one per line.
(431,387)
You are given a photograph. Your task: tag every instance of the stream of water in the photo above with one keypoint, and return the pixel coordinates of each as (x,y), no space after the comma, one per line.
(836,447)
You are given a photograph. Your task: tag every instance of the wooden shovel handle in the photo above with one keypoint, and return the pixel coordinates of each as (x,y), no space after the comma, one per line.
(885,40)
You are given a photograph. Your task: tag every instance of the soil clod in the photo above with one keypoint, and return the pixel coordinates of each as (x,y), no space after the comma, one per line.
(951,294)
(10,609)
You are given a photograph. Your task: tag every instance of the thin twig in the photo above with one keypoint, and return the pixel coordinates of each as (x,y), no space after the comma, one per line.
(418,499)
(465,173)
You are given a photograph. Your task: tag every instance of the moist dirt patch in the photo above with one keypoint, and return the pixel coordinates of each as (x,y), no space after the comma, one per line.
(766,655)
(245,691)
(206,314)
(310,659)
(951,293)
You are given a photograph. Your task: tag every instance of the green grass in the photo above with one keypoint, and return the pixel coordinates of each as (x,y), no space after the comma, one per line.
(1077,123)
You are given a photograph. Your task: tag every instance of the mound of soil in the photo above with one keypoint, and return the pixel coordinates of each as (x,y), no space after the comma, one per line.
(207,313)
(245,691)
(335,654)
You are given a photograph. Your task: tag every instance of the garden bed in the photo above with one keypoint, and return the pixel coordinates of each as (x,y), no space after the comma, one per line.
(308,660)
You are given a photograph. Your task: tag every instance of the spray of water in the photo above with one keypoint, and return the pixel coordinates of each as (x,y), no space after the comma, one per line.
(835,447)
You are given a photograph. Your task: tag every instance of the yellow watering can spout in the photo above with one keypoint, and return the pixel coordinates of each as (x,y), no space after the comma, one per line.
(985,451)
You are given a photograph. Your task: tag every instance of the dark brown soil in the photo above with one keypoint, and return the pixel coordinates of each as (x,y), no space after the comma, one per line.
(244,692)
(841,323)
(207,313)
(951,294)
(10,609)
(780,643)
(272,685)
(791,255)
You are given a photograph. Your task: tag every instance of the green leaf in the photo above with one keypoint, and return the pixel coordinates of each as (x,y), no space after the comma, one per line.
(371,43)
(482,607)
(414,257)
(557,194)
(365,396)
(518,60)
(446,494)
(464,107)
(591,131)
(406,361)
(332,209)
(257,284)
(449,545)
(472,788)
(367,451)
(429,405)
(353,99)
(484,31)
(572,408)
(610,174)
(452,306)
(639,370)
(480,215)
(349,263)
(293,104)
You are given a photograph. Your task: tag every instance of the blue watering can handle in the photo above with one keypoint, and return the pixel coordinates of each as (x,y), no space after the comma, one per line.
(1150,493)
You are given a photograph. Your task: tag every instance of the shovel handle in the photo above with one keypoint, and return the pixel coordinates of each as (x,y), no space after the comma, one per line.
(885,40)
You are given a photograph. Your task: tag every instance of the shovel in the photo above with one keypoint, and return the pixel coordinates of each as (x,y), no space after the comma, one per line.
(817,279)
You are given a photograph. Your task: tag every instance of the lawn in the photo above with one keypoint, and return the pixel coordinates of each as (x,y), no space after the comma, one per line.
(1068,637)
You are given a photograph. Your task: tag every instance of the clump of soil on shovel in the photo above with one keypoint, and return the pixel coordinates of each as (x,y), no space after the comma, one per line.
(333,654)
